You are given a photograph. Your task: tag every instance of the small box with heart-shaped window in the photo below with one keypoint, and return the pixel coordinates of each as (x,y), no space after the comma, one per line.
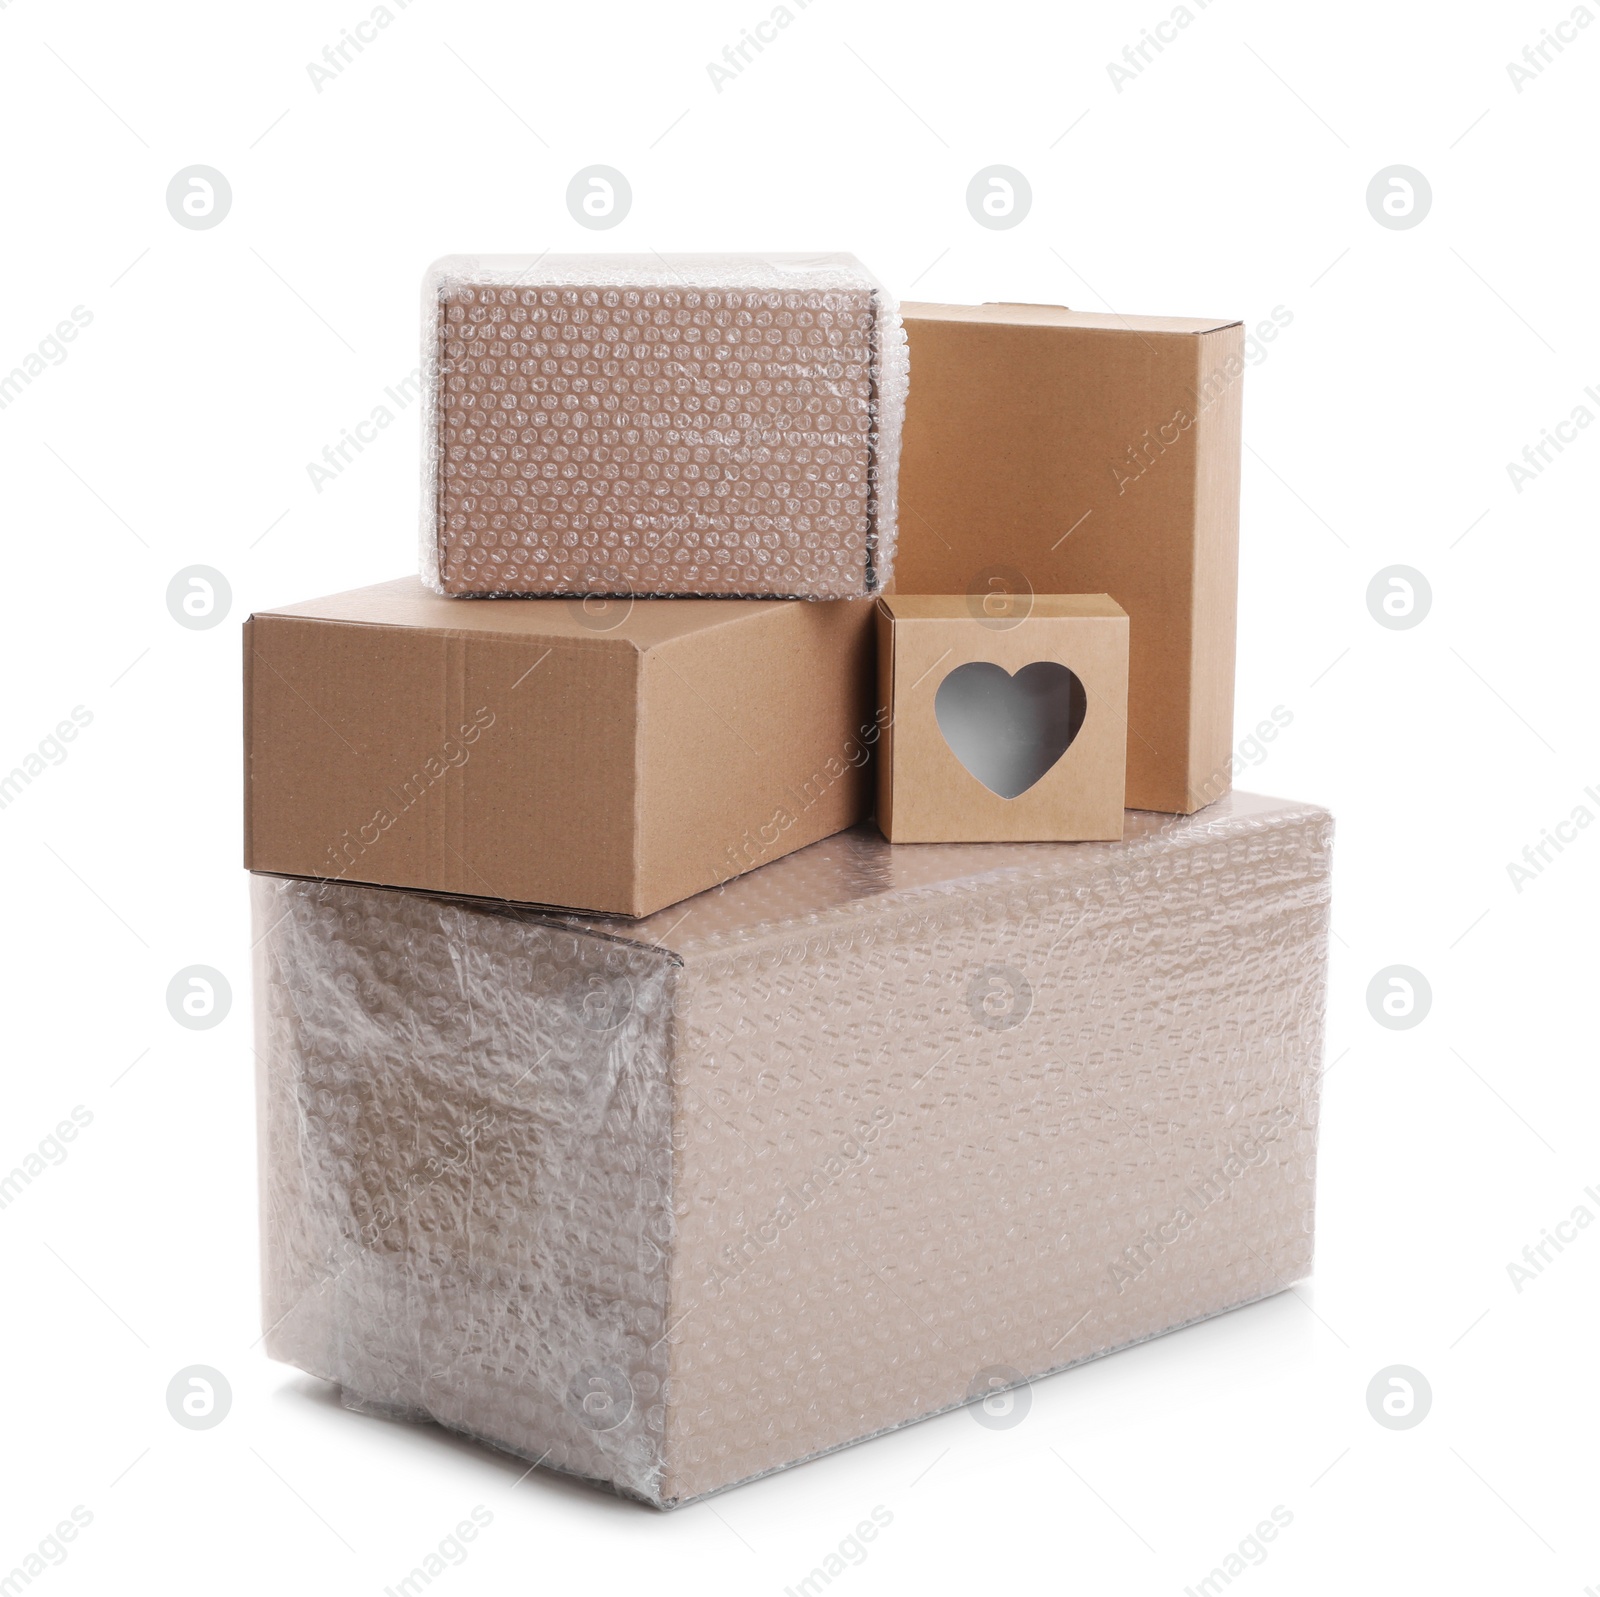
(1003,721)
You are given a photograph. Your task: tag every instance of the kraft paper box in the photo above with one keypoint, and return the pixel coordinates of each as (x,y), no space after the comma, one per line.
(871,1133)
(1059,451)
(649,424)
(603,756)
(1002,721)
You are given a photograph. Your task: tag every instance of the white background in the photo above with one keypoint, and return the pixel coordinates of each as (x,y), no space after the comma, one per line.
(1227,177)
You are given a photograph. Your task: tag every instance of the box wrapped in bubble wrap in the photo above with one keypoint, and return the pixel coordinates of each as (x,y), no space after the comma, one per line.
(869,1133)
(669,425)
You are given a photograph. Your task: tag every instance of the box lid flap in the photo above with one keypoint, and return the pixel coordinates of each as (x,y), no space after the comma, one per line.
(958,607)
(637,624)
(1018,315)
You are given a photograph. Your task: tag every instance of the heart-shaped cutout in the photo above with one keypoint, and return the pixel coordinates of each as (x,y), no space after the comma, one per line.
(1009,730)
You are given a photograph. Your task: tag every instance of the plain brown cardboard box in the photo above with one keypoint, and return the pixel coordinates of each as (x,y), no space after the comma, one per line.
(612,759)
(926,791)
(1091,454)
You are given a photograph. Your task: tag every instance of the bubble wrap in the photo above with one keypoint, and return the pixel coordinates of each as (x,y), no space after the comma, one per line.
(870,1132)
(652,424)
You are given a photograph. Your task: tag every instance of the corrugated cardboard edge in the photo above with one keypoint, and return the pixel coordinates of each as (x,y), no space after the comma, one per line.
(1213,643)
(883,625)
(637,902)
(247,732)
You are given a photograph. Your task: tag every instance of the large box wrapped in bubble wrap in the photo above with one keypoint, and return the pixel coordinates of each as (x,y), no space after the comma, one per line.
(869,1133)
(660,424)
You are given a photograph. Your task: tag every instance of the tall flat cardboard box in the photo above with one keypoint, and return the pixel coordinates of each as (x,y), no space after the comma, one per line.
(1079,453)
(612,758)
(673,1203)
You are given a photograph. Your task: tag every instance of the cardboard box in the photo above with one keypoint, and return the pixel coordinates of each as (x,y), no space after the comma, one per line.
(1067,452)
(614,757)
(1002,727)
(873,1133)
(649,424)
